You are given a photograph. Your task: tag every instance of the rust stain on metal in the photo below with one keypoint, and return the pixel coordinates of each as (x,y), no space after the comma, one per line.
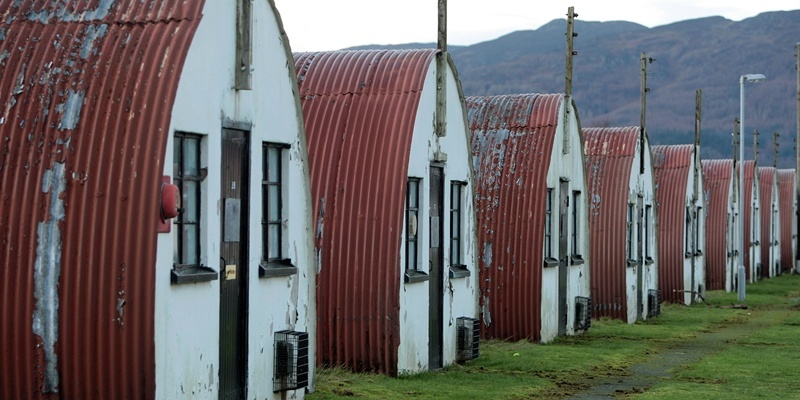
(610,153)
(766,183)
(512,142)
(359,109)
(72,73)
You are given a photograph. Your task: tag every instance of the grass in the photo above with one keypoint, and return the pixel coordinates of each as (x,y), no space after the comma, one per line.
(763,361)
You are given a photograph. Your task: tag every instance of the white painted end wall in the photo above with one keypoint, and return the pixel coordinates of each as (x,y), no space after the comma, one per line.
(571,166)
(187,315)
(460,294)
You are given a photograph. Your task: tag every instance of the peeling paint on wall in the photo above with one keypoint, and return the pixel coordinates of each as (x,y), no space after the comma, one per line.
(47,272)
(92,34)
(96,14)
(70,110)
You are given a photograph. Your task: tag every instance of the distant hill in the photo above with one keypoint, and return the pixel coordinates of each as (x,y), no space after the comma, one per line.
(707,53)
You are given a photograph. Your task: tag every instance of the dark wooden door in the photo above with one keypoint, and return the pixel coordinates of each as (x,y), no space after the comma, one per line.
(233,269)
(640,257)
(436,312)
(563,255)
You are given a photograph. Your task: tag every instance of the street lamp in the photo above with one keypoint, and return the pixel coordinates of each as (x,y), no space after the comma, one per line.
(752,78)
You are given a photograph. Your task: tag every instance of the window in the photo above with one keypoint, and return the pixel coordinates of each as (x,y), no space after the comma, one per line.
(458,268)
(697,229)
(646,240)
(274,262)
(188,176)
(548,225)
(413,273)
(688,233)
(630,244)
(576,226)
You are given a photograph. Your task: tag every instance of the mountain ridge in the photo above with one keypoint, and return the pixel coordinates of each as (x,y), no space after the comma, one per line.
(708,53)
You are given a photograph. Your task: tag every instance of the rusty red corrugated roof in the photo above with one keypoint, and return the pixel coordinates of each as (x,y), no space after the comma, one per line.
(749,179)
(717,175)
(88,91)
(786,197)
(671,169)
(512,141)
(766,182)
(610,153)
(359,109)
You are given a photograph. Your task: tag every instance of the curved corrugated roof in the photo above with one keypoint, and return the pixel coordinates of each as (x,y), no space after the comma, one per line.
(359,109)
(766,182)
(671,169)
(717,175)
(87,89)
(749,179)
(512,142)
(786,197)
(610,153)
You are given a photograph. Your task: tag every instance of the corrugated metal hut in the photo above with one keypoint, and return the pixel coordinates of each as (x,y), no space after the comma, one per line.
(752,220)
(770,222)
(681,222)
(722,211)
(622,222)
(395,223)
(531,202)
(788,213)
(105,296)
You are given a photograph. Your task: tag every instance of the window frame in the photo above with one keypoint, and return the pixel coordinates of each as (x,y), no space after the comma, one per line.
(549,260)
(183,271)
(630,237)
(458,269)
(279,265)
(413,273)
(648,210)
(576,257)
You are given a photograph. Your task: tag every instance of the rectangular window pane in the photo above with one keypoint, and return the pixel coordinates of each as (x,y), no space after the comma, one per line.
(191,157)
(274,241)
(273,203)
(190,201)
(273,164)
(191,243)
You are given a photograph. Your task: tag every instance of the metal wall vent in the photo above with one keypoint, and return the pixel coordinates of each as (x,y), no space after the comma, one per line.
(291,360)
(468,332)
(583,313)
(653,302)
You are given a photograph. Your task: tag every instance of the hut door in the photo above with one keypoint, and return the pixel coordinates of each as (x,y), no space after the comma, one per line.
(563,254)
(640,256)
(435,315)
(233,268)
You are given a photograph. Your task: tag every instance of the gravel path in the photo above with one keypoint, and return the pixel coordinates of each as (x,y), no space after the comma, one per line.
(645,375)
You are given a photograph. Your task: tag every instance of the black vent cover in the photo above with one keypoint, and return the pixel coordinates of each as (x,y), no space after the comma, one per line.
(291,360)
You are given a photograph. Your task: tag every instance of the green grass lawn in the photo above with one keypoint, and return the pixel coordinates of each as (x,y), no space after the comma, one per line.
(763,362)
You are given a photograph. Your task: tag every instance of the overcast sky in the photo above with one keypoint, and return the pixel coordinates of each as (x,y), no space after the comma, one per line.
(316,25)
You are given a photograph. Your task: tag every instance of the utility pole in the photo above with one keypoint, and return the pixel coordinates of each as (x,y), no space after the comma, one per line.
(571,15)
(755,147)
(643,117)
(571,35)
(441,82)
(775,149)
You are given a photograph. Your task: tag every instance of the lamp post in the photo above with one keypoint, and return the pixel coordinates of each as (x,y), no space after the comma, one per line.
(751,78)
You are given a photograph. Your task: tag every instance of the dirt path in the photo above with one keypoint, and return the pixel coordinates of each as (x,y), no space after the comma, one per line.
(645,375)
